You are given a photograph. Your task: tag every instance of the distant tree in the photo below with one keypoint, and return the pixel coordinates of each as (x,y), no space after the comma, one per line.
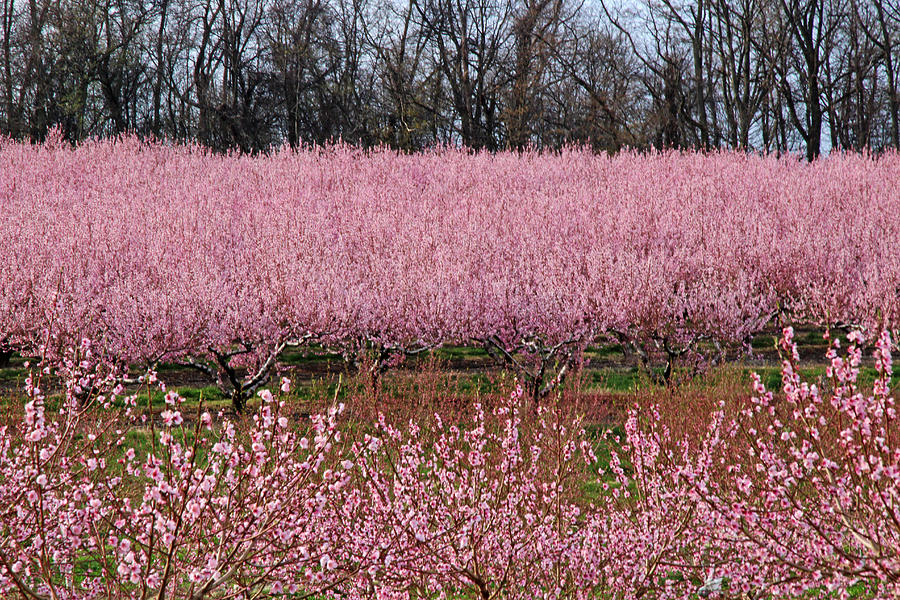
(250,75)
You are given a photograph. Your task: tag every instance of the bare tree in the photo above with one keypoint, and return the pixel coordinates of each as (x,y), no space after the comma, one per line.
(812,25)
(742,46)
(411,85)
(597,97)
(536,29)
(471,48)
(852,91)
(879,22)
(668,40)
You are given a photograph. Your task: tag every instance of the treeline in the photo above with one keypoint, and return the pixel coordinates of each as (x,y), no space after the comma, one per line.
(766,75)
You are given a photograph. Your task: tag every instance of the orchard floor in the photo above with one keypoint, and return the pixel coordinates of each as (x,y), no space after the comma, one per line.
(608,381)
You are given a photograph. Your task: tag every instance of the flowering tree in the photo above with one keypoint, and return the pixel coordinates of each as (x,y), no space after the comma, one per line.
(490,510)
(199,510)
(781,495)
(647,534)
(812,489)
(161,253)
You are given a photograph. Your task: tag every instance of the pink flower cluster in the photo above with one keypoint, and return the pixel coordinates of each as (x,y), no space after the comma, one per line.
(206,510)
(792,493)
(814,481)
(486,511)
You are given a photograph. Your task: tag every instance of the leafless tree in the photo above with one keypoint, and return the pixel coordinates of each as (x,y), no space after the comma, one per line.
(766,75)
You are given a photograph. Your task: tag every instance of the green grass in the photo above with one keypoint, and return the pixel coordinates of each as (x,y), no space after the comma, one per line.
(306,356)
(12,374)
(460,353)
(771,376)
(607,351)
(618,379)
(476,383)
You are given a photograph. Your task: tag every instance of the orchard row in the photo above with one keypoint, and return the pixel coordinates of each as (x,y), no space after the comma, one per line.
(169,253)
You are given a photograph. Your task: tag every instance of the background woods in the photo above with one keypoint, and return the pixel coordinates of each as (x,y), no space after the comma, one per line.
(767,75)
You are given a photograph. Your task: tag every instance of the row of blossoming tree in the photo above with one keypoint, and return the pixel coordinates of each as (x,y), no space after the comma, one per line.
(167,253)
(792,495)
